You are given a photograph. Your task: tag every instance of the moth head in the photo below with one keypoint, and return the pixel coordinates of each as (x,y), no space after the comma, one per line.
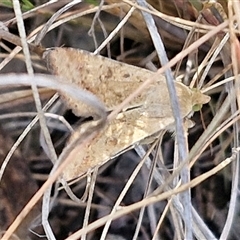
(198,99)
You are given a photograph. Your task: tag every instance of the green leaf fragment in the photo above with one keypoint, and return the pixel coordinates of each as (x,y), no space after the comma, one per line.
(94,2)
(26,5)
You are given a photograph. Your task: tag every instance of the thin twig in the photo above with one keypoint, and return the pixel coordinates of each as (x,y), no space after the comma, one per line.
(46,27)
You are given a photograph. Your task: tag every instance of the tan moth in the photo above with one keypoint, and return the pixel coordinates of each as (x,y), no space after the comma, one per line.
(112,82)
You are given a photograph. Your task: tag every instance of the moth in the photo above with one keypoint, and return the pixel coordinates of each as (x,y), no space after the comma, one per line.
(112,81)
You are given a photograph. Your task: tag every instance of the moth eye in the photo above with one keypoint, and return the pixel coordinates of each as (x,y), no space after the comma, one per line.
(197,107)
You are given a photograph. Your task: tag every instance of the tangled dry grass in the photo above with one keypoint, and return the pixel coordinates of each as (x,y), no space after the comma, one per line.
(161,190)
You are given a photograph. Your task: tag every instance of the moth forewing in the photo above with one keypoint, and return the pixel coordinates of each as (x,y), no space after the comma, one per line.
(127,129)
(111,81)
